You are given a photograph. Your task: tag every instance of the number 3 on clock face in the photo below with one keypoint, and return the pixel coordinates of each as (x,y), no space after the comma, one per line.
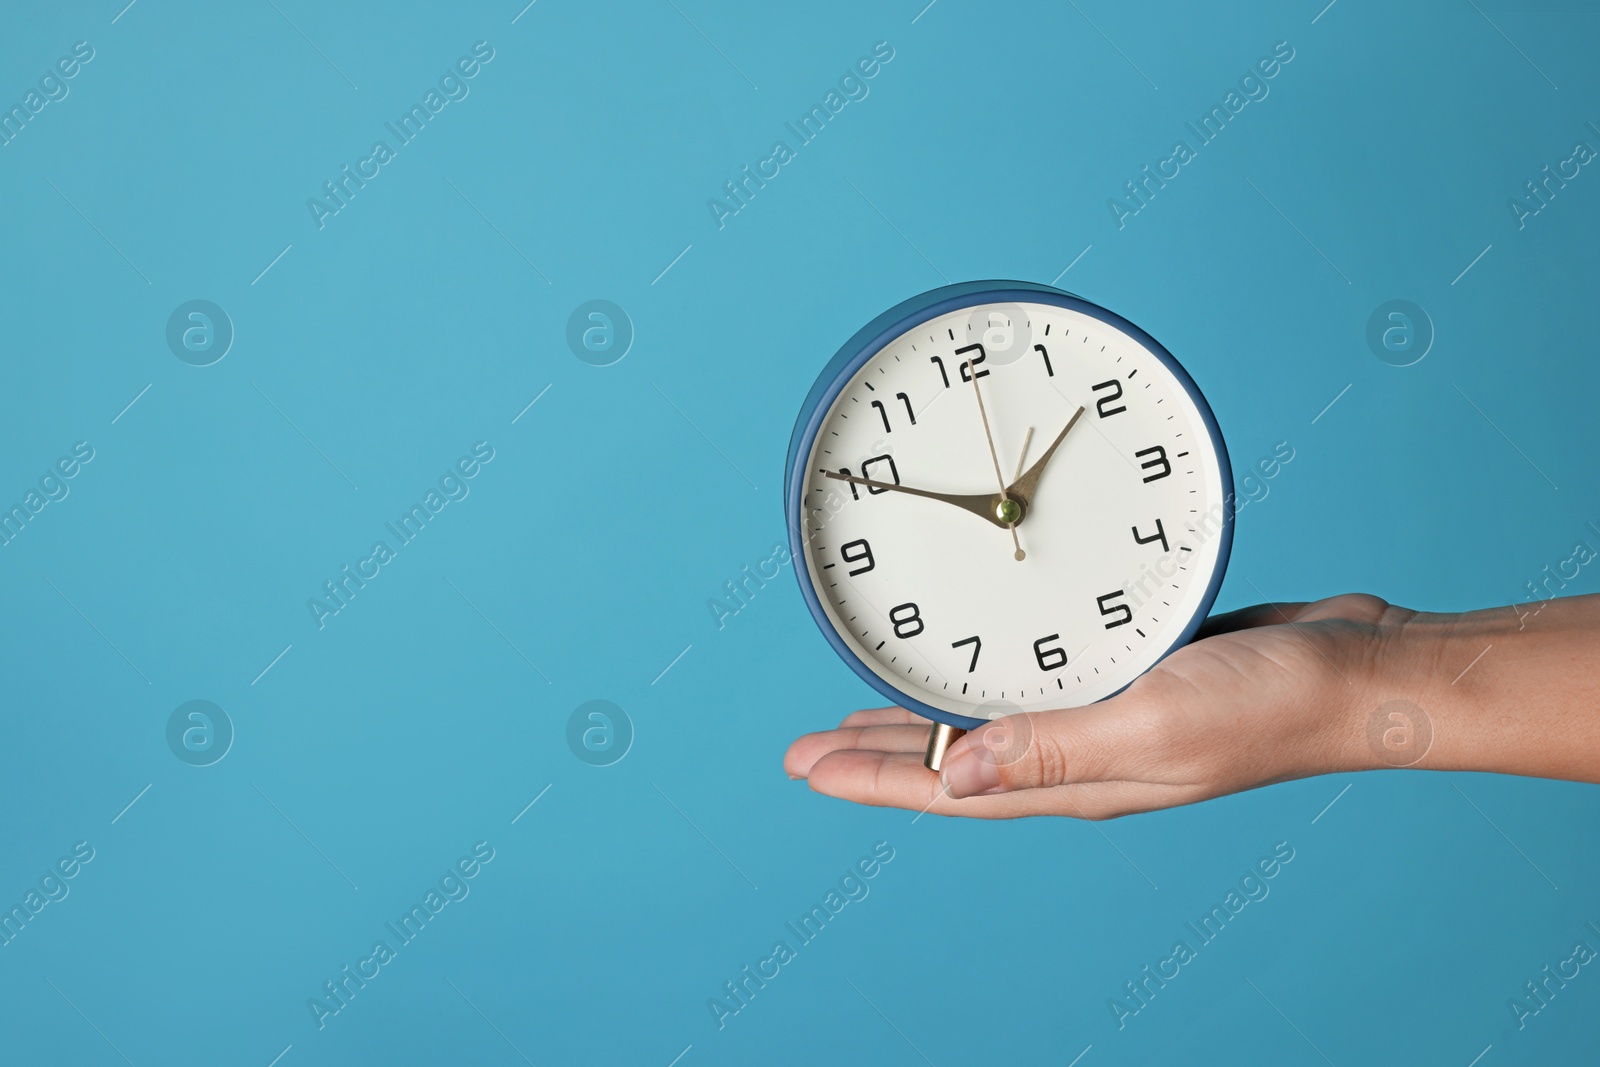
(1002,497)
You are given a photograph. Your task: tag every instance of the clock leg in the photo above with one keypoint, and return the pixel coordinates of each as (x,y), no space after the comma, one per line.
(940,738)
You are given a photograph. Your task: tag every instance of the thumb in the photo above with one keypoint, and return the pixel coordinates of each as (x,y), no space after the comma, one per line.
(1033,750)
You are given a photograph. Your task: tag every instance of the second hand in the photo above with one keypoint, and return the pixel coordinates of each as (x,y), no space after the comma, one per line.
(1007,508)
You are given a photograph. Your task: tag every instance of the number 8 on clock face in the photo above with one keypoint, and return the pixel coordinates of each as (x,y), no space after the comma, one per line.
(1001,497)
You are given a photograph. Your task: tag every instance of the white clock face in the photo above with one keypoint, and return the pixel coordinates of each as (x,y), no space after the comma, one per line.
(1120,536)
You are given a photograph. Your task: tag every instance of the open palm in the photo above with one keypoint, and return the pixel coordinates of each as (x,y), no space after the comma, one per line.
(1267,694)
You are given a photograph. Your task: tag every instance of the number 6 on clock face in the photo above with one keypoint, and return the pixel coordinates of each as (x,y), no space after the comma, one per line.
(953,589)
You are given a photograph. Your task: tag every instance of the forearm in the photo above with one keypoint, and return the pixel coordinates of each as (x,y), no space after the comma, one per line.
(1515,690)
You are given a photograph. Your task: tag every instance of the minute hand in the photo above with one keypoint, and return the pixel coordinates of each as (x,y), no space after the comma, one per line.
(980,505)
(1025,485)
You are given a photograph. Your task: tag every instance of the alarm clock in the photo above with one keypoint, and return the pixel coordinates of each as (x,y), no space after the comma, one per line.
(1001,497)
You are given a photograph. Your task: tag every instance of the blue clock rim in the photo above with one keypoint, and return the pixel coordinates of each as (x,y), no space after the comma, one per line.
(867,343)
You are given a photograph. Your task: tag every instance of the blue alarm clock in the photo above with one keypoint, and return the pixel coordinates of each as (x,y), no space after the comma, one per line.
(1001,497)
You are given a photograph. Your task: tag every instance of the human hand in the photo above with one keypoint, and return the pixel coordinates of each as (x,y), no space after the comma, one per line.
(1266,694)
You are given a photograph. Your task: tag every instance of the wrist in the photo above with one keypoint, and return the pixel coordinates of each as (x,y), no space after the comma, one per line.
(1491,690)
(1403,709)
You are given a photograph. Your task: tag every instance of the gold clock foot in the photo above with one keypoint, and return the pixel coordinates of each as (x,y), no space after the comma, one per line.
(940,738)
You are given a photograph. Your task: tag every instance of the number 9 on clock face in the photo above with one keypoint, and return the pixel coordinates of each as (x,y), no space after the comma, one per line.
(1002,496)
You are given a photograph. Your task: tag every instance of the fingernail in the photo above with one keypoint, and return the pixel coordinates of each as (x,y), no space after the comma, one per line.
(796,777)
(970,774)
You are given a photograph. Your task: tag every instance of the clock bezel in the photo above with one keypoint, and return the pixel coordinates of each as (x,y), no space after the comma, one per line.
(871,340)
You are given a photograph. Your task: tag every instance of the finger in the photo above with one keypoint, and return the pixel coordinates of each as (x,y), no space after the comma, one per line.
(812,747)
(901,781)
(1110,741)
(1249,618)
(884,717)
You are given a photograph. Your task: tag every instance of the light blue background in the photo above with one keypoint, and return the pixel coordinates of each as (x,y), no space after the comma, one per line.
(417,721)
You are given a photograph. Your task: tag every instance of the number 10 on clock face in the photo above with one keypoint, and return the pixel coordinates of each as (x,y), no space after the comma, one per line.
(1005,498)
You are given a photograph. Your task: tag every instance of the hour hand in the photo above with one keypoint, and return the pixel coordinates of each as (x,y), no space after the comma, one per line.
(1025,485)
(984,505)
